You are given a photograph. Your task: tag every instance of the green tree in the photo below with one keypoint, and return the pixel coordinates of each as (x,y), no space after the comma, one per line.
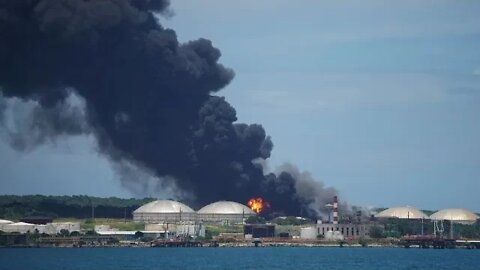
(90,233)
(376,232)
(75,233)
(256,220)
(291,221)
(64,233)
(138,234)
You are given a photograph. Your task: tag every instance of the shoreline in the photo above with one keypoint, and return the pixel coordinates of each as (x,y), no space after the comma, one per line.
(229,245)
(68,242)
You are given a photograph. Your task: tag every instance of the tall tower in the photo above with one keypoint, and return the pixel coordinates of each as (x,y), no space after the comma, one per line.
(335,210)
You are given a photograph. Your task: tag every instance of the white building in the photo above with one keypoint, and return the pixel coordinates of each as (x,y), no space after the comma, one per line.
(190,230)
(308,233)
(348,230)
(49,228)
(19,227)
(334,236)
(69,226)
(4,222)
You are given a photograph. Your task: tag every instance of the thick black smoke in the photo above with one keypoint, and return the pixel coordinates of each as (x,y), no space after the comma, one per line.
(27,124)
(148,98)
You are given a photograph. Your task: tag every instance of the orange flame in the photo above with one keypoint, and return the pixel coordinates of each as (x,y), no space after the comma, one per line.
(257,204)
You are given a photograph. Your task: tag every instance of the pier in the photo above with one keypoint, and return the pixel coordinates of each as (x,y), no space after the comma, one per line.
(175,243)
(427,241)
(469,244)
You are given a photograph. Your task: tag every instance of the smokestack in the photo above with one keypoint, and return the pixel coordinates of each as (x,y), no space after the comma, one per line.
(335,210)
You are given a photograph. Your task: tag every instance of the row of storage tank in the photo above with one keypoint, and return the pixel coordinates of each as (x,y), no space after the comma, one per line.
(331,231)
(168,211)
(458,215)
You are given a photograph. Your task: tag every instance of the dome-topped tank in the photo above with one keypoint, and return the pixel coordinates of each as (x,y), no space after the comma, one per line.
(224,212)
(225,207)
(164,211)
(164,206)
(458,215)
(406,212)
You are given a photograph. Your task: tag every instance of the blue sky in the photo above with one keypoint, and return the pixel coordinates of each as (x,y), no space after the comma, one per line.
(378,99)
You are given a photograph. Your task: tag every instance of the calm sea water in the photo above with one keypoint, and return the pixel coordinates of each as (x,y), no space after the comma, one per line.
(237,258)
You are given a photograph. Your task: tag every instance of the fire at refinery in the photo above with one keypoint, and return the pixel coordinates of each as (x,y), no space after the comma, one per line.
(258,205)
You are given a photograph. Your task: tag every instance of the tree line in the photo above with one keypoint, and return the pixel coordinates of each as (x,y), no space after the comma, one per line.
(16,207)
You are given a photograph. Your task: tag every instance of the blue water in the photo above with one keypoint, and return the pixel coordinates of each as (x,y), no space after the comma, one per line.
(237,258)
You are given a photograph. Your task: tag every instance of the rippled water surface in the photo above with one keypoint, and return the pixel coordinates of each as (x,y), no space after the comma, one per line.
(237,258)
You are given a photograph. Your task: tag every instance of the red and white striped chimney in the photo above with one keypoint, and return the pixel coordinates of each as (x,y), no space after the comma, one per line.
(335,210)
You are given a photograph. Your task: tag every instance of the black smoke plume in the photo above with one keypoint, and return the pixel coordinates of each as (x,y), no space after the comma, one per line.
(149,100)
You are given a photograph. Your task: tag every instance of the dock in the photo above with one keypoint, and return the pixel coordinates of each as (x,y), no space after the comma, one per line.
(427,241)
(175,243)
(469,244)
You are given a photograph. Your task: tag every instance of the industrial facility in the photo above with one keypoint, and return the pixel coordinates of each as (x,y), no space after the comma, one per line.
(334,230)
(172,223)
(348,230)
(229,213)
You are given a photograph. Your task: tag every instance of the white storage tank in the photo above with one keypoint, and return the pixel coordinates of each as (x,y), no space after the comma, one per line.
(224,212)
(164,211)
(406,212)
(457,215)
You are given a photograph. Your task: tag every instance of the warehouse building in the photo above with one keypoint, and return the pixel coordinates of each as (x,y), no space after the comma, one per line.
(259,230)
(349,230)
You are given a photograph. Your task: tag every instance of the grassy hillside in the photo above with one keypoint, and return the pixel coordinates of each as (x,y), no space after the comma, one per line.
(120,224)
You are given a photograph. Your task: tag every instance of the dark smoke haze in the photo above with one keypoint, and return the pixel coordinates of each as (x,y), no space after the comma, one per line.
(108,68)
